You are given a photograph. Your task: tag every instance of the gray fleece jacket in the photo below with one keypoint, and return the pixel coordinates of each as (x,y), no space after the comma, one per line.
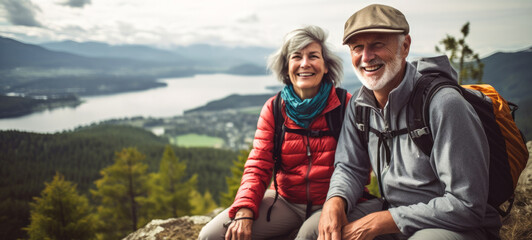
(447,189)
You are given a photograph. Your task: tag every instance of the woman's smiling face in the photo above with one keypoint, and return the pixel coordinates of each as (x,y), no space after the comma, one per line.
(306,69)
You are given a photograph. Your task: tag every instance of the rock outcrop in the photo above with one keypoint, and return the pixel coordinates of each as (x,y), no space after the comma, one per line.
(183,228)
(525,180)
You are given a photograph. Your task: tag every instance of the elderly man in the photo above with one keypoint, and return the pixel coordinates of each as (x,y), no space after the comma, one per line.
(438,196)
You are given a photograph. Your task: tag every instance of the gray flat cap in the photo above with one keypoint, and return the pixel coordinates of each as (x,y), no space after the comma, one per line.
(375,18)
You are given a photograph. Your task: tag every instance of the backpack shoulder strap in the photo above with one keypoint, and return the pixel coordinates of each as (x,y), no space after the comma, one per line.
(335,118)
(278,139)
(420,98)
(361,120)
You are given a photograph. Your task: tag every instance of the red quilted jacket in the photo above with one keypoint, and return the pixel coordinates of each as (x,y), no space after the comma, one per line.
(299,175)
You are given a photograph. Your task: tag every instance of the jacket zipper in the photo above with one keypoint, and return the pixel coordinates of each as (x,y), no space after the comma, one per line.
(307,179)
(383,165)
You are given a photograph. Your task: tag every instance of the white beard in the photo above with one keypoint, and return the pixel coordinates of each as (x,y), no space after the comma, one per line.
(375,83)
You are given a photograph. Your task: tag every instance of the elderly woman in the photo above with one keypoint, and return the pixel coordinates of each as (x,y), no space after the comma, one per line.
(310,72)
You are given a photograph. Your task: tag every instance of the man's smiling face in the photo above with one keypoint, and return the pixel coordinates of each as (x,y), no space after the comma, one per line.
(377,58)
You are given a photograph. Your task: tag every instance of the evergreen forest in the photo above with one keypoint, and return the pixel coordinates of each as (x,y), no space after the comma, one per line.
(89,160)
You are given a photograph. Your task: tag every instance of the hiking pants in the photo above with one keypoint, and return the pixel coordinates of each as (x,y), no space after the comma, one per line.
(374,205)
(285,219)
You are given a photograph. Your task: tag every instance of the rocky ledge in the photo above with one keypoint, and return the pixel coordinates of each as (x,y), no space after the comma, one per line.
(183,228)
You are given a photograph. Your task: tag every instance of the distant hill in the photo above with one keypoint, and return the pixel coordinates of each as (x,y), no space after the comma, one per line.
(28,69)
(222,56)
(16,54)
(248,69)
(92,68)
(234,101)
(15,106)
(72,67)
(510,73)
(104,50)
(199,55)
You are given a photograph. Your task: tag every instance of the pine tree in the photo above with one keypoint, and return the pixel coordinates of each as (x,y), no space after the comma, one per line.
(61,213)
(120,192)
(202,204)
(469,64)
(169,191)
(233,182)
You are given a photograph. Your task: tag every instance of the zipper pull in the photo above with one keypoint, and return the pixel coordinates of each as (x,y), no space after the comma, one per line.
(309,154)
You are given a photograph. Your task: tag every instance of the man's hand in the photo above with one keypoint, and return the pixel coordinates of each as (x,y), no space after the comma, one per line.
(370,226)
(332,219)
(240,229)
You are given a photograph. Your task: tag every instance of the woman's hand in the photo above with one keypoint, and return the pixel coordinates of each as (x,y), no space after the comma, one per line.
(240,229)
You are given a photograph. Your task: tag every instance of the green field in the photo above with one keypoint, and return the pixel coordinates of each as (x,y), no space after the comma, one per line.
(196,140)
(251,110)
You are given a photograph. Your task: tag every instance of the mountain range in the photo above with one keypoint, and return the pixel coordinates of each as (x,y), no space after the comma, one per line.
(98,68)
(510,73)
(89,68)
(194,55)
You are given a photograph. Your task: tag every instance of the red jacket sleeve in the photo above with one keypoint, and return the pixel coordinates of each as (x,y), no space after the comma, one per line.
(258,169)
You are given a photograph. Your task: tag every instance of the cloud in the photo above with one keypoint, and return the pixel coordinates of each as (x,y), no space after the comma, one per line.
(76,3)
(22,12)
(249,19)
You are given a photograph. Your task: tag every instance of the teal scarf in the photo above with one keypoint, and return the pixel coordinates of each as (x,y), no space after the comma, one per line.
(302,112)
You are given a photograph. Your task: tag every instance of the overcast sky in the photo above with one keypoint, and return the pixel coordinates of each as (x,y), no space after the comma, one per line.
(496,25)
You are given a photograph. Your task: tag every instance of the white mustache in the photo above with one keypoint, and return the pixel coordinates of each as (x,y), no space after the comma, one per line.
(372,62)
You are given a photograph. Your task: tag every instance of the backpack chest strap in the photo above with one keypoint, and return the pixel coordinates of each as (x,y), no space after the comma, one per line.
(309,133)
(383,136)
(388,134)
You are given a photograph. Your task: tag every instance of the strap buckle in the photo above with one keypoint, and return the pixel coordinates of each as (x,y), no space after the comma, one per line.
(360,127)
(314,133)
(419,132)
(387,134)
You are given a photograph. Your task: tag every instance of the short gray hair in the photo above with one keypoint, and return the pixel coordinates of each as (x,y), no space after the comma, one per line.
(297,40)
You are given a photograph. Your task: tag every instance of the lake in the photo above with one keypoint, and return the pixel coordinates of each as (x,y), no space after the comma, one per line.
(179,95)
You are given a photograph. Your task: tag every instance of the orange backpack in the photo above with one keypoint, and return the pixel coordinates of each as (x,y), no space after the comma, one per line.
(508,151)
(515,141)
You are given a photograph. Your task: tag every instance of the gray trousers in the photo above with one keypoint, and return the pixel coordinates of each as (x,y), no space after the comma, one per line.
(285,218)
(374,205)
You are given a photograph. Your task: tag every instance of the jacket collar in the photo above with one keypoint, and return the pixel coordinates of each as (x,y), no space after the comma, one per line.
(332,102)
(400,96)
